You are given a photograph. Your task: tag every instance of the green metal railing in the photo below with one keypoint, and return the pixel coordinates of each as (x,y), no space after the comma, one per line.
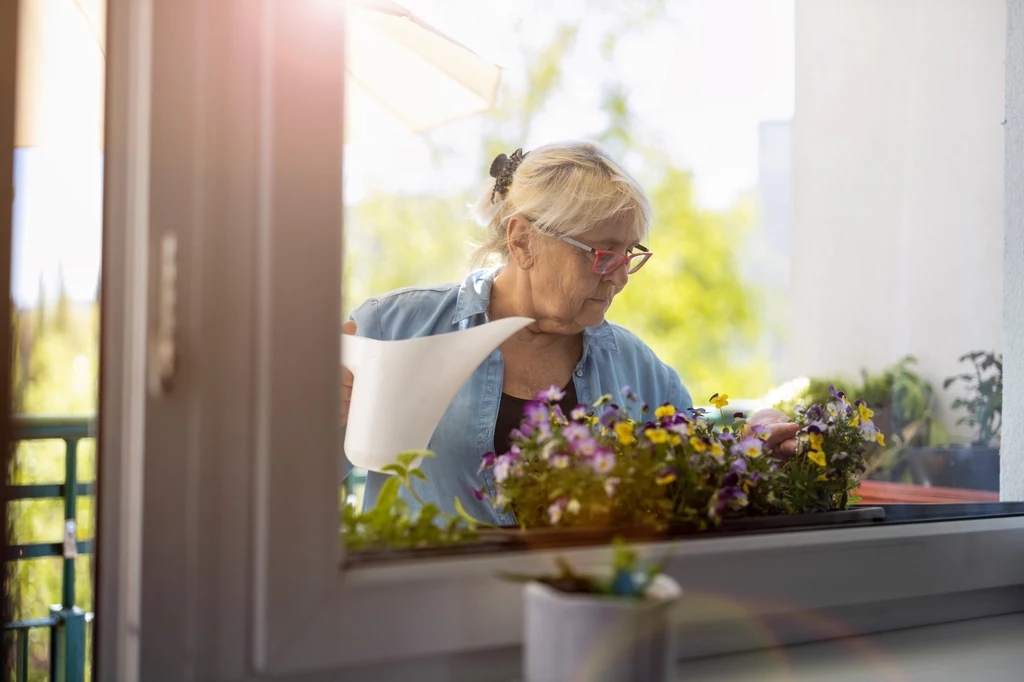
(67,623)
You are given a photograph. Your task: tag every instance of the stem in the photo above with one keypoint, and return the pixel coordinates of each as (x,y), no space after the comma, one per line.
(407,482)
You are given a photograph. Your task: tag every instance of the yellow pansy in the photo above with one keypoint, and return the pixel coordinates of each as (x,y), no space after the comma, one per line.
(673,439)
(720,401)
(866,413)
(817,456)
(698,443)
(656,436)
(880,437)
(667,477)
(664,411)
(717,450)
(624,430)
(817,440)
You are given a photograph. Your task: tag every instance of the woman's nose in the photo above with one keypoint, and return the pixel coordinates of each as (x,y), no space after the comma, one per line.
(619,276)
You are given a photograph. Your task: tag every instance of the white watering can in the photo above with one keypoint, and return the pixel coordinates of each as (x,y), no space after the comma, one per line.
(415,378)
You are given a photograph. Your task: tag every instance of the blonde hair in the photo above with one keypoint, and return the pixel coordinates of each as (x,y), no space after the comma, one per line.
(565,188)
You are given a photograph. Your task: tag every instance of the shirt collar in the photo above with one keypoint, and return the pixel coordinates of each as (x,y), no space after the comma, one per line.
(475,295)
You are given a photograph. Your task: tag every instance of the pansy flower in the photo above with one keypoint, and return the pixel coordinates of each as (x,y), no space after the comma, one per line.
(719,401)
(760,431)
(656,436)
(749,446)
(624,432)
(609,485)
(603,461)
(585,446)
(502,467)
(486,462)
(555,511)
(550,395)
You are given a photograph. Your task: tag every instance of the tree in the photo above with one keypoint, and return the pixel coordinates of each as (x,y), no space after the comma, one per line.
(690,303)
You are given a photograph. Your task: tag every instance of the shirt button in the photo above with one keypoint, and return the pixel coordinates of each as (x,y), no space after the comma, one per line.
(579,372)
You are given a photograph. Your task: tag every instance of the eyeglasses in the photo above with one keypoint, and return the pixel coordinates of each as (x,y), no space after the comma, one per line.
(607,262)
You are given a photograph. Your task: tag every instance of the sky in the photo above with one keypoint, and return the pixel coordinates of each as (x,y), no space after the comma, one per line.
(700,83)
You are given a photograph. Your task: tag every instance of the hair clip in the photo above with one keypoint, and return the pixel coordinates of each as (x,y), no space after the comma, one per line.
(502,169)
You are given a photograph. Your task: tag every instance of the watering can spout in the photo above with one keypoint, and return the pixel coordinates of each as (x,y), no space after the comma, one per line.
(423,375)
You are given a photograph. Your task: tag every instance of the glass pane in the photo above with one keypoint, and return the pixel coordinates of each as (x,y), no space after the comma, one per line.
(57,226)
(811,233)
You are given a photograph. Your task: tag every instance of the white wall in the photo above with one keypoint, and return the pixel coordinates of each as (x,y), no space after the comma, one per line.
(898,152)
(1011,485)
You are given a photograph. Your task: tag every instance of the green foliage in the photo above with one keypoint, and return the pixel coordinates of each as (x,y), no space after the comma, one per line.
(395,241)
(55,369)
(984,401)
(690,303)
(390,524)
(900,391)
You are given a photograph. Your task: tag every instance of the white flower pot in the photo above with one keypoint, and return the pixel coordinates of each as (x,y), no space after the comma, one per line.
(591,638)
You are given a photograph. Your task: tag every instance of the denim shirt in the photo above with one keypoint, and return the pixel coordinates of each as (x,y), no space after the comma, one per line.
(612,359)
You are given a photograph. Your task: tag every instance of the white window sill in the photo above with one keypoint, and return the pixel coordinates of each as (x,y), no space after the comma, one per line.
(987,649)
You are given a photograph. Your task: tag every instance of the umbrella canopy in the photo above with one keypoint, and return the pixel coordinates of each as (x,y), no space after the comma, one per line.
(418,74)
(61,66)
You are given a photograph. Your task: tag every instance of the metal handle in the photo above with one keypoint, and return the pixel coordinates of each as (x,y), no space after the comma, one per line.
(163,352)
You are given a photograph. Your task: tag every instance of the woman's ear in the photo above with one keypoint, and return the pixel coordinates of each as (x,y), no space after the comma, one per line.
(521,243)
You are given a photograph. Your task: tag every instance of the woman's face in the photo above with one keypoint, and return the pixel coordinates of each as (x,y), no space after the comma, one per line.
(567,294)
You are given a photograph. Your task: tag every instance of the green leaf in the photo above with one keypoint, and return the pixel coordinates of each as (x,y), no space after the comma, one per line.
(465,516)
(409,456)
(418,474)
(396,469)
(387,496)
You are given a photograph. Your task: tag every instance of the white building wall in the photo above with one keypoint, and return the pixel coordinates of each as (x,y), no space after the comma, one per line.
(898,157)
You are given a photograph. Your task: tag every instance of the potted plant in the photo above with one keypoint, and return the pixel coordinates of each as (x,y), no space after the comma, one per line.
(903,402)
(974,466)
(598,468)
(601,627)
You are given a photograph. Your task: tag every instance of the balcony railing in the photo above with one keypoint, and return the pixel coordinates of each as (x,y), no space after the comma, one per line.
(66,623)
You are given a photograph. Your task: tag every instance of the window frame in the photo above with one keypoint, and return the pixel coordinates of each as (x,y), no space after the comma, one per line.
(232,476)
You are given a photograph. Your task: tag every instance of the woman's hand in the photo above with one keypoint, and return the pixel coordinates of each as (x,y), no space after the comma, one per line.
(346,379)
(783,431)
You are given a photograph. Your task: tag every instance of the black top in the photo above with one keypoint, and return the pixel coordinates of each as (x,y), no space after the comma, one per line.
(510,416)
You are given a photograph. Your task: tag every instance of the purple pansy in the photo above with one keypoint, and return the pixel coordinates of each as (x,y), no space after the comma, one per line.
(585,446)
(550,395)
(501,468)
(536,413)
(609,416)
(603,461)
(486,462)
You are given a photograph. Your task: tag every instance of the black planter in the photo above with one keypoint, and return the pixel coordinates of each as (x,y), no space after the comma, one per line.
(972,467)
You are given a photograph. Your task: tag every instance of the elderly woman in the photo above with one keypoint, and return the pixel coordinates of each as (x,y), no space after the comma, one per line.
(568,224)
